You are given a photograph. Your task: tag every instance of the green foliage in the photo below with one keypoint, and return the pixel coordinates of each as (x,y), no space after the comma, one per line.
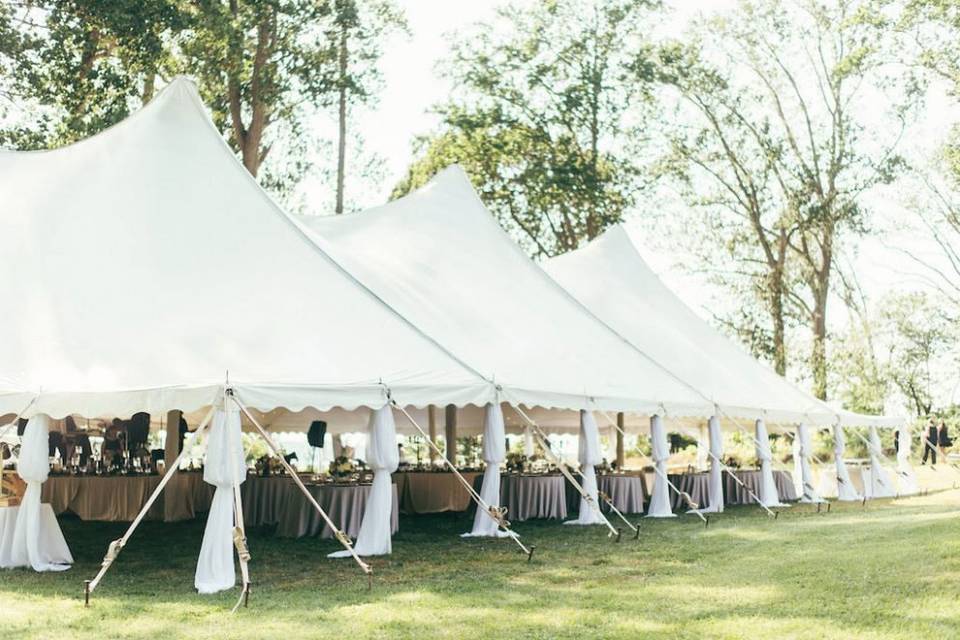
(545,116)
(86,63)
(780,153)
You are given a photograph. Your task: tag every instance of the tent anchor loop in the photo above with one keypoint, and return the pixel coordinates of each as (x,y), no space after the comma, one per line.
(636,530)
(498,514)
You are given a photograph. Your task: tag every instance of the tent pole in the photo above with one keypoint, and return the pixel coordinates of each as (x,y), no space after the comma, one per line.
(432,423)
(498,514)
(340,535)
(621,457)
(117,545)
(564,469)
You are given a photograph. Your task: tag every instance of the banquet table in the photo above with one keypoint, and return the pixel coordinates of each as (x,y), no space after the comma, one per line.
(533,496)
(697,485)
(736,494)
(433,492)
(628,492)
(344,503)
(120,498)
(52,546)
(263,499)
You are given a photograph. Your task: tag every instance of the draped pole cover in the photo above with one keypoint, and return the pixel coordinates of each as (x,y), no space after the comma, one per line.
(880,485)
(37,541)
(494,453)
(905,472)
(845,490)
(768,487)
(808,491)
(589,454)
(660,452)
(716,471)
(225,468)
(383,457)
(528,448)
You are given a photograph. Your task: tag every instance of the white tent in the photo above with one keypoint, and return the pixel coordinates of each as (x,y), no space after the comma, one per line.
(440,259)
(611,279)
(142,265)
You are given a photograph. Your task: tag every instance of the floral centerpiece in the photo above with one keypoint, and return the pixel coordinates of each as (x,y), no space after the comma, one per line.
(516,462)
(342,468)
(268,466)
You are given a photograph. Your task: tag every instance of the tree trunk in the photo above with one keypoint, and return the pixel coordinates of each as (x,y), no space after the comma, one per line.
(818,355)
(342,142)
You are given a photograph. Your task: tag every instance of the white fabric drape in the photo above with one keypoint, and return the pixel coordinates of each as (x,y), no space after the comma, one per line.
(880,484)
(845,490)
(808,491)
(660,452)
(494,453)
(703,447)
(37,540)
(716,472)
(383,457)
(797,467)
(768,488)
(905,472)
(528,448)
(225,468)
(589,454)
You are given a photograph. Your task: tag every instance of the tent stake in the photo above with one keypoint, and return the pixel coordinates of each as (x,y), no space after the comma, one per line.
(496,514)
(530,553)
(562,466)
(340,535)
(113,550)
(86,593)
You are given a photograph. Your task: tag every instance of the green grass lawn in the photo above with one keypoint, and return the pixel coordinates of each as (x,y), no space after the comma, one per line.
(890,570)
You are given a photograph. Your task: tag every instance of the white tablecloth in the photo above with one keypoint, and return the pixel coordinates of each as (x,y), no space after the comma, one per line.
(53,547)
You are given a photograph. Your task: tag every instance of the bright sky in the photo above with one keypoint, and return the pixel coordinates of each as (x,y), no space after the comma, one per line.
(412,84)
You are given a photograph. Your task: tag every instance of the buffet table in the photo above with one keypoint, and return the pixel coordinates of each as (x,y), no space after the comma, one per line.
(736,494)
(697,485)
(533,496)
(433,491)
(109,498)
(120,498)
(344,503)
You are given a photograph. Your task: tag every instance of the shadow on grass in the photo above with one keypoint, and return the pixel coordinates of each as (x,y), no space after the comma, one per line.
(856,572)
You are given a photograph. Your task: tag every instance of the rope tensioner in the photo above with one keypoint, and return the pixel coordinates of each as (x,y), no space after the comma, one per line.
(562,466)
(497,513)
(694,507)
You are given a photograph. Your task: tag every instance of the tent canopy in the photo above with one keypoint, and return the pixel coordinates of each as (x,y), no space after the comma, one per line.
(440,259)
(637,305)
(142,265)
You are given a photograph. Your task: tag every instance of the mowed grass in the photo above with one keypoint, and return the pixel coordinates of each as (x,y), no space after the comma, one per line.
(890,570)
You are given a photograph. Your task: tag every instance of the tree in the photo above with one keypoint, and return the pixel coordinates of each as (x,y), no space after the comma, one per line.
(86,64)
(922,334)
(259,63)
(784,147)
(545,117)
(358,31)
